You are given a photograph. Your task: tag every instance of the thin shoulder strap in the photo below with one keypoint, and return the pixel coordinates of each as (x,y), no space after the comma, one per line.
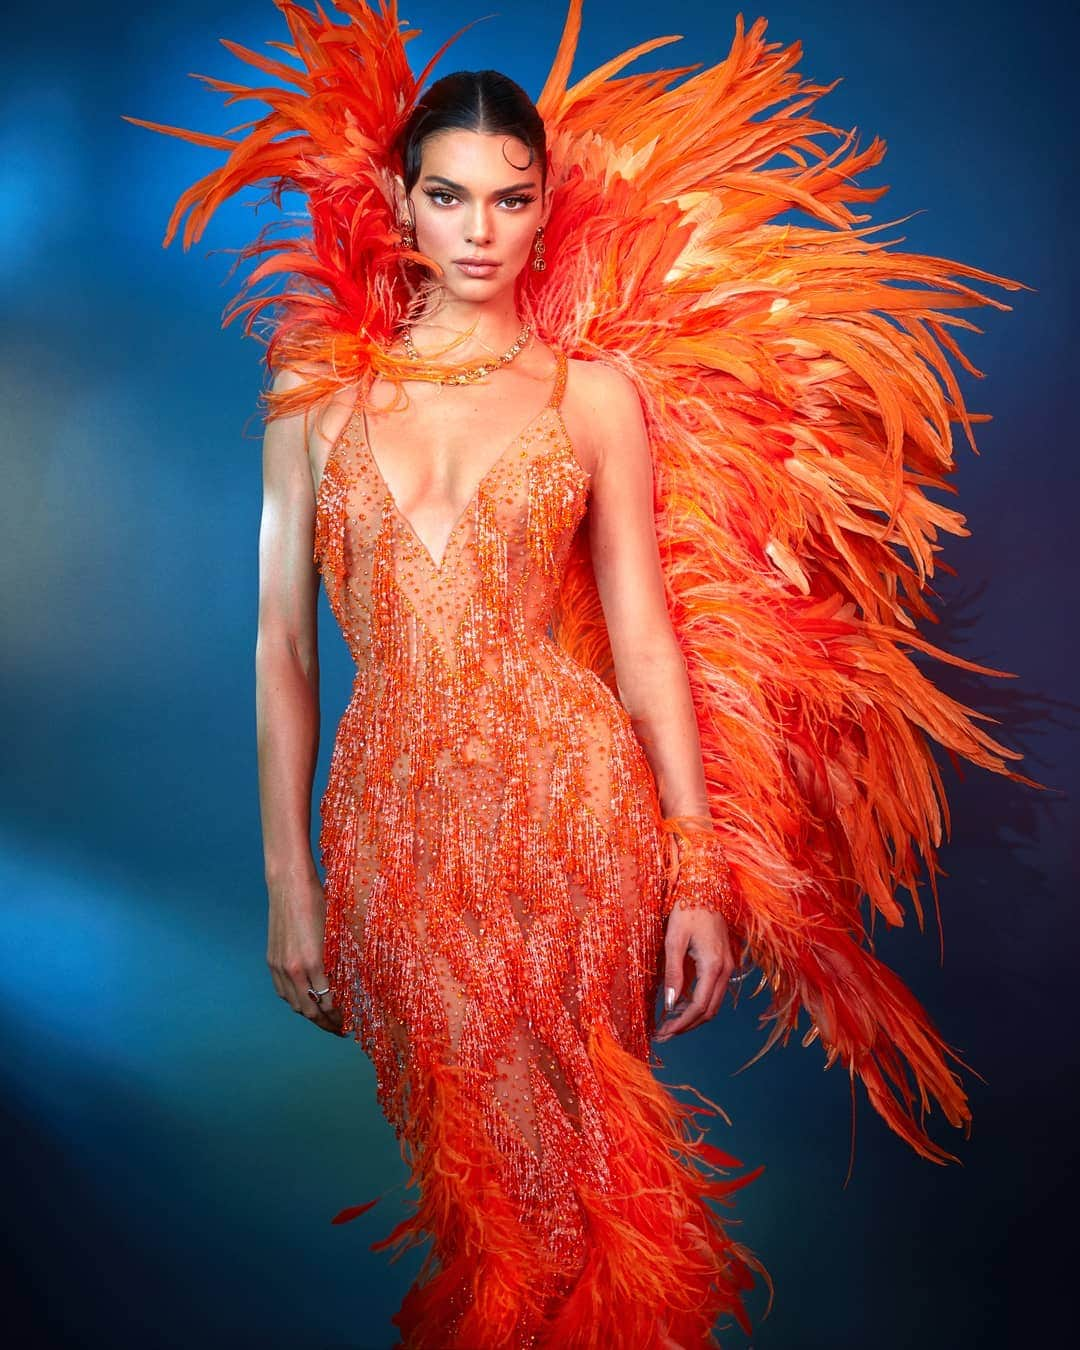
(560,379)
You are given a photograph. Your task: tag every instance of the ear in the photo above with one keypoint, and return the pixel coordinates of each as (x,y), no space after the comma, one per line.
(549,195)
(400,199)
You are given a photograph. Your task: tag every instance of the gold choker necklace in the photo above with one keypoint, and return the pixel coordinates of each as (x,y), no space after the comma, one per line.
(469,374)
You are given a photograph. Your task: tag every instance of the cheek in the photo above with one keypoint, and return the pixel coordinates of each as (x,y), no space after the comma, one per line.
(438,229)
(517,234)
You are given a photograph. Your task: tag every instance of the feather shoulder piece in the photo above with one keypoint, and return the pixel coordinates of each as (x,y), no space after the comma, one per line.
(798,386)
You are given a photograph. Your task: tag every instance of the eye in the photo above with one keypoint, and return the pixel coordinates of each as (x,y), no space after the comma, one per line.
(435,194)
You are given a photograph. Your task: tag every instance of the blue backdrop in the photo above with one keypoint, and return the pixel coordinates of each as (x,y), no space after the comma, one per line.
(179,1139)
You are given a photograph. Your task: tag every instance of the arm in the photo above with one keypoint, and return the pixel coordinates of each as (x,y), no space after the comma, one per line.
(650,669)
(287,716)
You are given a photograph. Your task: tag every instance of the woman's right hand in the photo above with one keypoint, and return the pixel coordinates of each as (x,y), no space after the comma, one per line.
(294,951)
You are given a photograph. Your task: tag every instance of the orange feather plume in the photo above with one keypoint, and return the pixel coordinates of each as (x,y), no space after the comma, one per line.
(798,387)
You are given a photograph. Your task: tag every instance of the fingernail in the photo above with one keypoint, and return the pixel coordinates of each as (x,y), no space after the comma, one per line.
(669,999)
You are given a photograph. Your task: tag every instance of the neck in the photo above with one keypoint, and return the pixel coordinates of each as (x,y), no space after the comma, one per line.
(479,331)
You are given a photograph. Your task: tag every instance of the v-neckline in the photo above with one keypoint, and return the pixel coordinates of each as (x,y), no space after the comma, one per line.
(438,565)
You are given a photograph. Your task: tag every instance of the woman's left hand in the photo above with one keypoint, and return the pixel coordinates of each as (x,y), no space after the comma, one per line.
(697,945)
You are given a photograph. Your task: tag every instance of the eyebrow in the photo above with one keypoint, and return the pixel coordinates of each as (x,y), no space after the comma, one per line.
(458,187)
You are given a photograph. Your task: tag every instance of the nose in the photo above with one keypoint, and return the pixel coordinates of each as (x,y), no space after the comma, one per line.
(479,228)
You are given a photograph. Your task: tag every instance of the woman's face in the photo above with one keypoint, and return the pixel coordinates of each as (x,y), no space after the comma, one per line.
(470,202)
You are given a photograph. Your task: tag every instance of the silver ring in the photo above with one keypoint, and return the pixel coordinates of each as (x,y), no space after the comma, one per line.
(318,995)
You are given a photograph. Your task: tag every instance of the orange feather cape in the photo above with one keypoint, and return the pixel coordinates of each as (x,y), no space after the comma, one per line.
(798,392)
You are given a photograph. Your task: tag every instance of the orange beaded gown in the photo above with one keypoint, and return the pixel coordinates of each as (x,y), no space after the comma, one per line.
(495,878)
(490,832)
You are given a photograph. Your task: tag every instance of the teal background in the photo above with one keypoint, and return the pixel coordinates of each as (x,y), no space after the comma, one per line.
(177,1139)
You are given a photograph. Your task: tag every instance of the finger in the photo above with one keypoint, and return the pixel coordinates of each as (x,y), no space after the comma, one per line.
(675,947)
(331,1018)
(693,1013)
(283,986)
(718,993)
(276,978)
(727,969)
(296,985)
(319,1010)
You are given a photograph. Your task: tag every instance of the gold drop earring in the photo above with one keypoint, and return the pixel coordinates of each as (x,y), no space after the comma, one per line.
(408,239)
(538,256)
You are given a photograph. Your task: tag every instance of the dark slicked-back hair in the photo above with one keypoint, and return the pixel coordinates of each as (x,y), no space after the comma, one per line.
(473,100)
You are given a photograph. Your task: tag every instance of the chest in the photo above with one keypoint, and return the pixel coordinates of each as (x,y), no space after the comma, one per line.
(532,493)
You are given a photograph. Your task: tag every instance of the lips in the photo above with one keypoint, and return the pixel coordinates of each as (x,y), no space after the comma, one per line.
(478,271)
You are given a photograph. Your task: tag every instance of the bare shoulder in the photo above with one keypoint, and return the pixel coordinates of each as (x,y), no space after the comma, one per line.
(601,388)
(601,407)
(288,378)
(319,428)
(285,379)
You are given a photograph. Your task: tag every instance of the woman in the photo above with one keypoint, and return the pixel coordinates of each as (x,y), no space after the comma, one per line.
(604,462)
(492,829)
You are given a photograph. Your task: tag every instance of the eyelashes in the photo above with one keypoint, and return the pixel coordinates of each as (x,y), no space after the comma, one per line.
(432,193)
